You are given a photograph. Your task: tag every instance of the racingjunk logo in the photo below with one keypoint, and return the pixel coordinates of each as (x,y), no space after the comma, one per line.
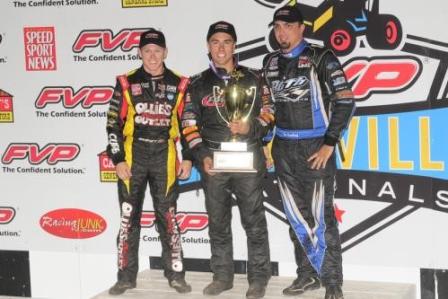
(100,43)
(73,223)
(85,98)
(40,48)
(27,154)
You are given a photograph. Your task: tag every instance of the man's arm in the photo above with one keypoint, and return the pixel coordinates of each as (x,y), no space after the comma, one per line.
(341,106)
(342,101)
(116,117)
(191,127)
(185,166)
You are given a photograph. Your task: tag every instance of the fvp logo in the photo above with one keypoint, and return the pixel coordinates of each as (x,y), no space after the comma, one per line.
(86,96)
(187,221)
(40,48)
(386,74)
(125,39)
(52,153)
(7,214)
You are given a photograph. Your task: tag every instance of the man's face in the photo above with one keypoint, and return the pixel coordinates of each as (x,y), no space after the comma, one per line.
(221,47)
(152,58)
(288,35)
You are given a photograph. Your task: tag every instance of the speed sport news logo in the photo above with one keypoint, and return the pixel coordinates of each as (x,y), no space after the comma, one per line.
(340,25)
(31,158)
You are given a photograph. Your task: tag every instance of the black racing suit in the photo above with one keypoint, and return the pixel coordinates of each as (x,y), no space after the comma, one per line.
(204,130)
(313,106)
(142,127)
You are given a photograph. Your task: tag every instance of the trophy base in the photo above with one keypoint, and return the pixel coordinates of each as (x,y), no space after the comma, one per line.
(233,162)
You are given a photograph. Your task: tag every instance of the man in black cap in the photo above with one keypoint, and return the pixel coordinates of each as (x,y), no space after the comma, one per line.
(205,130)
(314,104)
(142,129)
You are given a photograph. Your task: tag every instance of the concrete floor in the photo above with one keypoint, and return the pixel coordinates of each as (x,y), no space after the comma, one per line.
(152,284)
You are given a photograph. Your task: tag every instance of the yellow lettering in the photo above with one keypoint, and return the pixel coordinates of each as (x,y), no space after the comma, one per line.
(372,127)
(349,149)
(425,147)
(394,151)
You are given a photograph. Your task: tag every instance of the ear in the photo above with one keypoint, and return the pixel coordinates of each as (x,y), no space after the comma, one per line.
(208,47)
(140,53)
(165,53)
(301,28)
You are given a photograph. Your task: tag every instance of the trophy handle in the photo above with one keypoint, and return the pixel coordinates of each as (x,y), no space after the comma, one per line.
(252,90)
(217,93)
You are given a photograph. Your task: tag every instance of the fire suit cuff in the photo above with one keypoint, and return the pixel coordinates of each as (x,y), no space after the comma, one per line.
(328,140)
(117,158)
(187,155)
(201,152)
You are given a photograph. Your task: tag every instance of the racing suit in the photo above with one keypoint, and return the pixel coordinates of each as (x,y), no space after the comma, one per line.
(313,106)
(204,129)
(142,125)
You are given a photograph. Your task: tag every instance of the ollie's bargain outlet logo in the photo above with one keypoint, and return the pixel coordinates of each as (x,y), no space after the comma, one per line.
(40,48)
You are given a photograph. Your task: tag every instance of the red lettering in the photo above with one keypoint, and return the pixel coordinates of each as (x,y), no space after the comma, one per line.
(381,74)
(193,222)
(186,221)
(127,39)
(87,39)
(86,96)
(52,153)
(7,214)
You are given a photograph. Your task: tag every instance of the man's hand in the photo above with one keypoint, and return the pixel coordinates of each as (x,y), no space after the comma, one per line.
(239,127)
(123,171)
(319,159)
(208,164)
(184,170)
(268,157)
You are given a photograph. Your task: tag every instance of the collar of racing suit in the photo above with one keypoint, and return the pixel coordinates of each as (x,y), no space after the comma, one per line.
(148,76)
(297,50)
(221,72)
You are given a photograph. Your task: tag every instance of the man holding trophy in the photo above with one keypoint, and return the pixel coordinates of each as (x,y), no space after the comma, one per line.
(227,112)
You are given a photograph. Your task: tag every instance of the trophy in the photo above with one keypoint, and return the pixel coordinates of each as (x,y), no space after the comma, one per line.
(238,105)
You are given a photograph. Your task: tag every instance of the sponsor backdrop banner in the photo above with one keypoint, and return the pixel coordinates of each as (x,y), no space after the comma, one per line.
(58,62)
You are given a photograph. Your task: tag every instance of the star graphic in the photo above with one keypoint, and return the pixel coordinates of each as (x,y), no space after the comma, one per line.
(338,213)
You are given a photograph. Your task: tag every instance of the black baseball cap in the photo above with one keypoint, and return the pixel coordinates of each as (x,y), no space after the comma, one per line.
(221,26)
(288,13)
(152,36)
